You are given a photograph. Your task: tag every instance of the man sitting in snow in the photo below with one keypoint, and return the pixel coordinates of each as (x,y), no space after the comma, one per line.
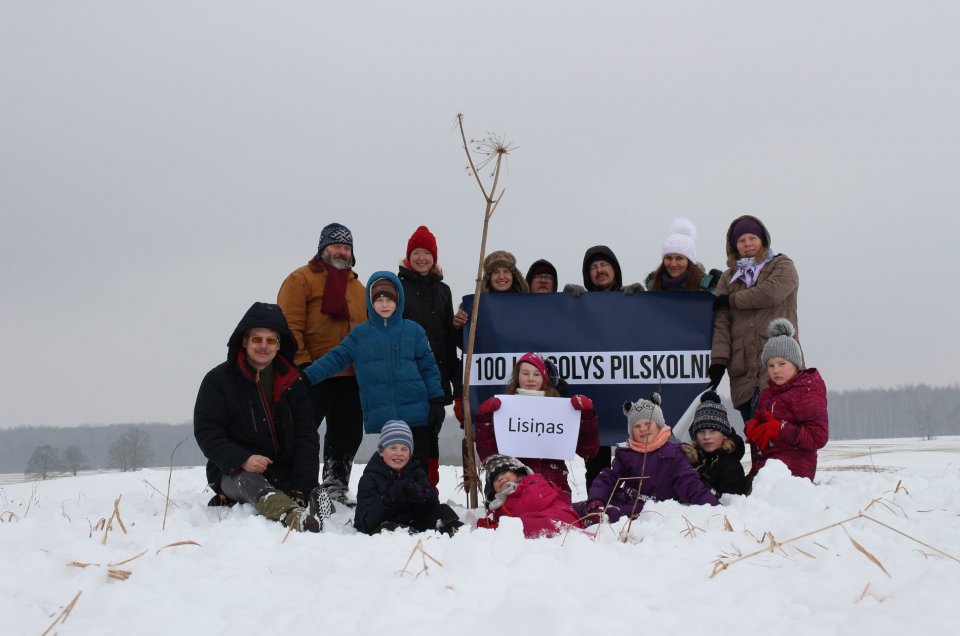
(254,423)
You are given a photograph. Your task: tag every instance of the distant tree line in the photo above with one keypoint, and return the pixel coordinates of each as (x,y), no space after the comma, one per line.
(914,411)
(130,451)
(120,446)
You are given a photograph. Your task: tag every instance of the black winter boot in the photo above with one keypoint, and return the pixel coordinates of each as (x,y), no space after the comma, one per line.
(319,505)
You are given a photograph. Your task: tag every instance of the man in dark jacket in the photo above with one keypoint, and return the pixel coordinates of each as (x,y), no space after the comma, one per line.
(542,277)
(254,423)
(601,272)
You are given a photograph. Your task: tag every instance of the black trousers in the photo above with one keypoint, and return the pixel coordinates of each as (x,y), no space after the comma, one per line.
(423,439)
(337,400)
(597,463)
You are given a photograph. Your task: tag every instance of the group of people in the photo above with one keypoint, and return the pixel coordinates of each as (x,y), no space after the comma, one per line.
(383,358)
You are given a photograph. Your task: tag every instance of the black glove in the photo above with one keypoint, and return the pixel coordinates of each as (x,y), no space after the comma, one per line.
(438,413)
(721,302)
(716,372)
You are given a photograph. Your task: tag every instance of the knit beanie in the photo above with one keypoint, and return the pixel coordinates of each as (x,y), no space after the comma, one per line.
(537,361)
(747,225)
(781,343)
(644,410)
(383,287)
(710,413)
(423,238)
(395,432)
(336,234)
(496,465)
(683,233)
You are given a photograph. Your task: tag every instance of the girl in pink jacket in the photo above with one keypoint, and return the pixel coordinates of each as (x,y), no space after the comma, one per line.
(513,490)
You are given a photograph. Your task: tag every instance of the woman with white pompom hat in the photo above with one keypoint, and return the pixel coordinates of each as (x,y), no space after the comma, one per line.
(679,269)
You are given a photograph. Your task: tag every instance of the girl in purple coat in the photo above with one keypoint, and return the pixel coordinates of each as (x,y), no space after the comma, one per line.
(647,466)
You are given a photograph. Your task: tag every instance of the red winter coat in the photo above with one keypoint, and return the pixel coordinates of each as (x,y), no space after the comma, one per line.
(801,404)
(543,508)
(555,470)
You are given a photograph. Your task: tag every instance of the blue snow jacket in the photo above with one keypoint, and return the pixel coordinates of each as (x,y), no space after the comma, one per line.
(396,369)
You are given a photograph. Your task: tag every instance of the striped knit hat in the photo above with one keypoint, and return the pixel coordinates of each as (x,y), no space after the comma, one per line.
(710,414)
(395,432)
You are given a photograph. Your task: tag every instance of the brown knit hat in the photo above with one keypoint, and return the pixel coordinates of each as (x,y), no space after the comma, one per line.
(501,258)
(383,287)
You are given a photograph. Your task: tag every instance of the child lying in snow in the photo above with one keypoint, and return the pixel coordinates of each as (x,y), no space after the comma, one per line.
(513,490)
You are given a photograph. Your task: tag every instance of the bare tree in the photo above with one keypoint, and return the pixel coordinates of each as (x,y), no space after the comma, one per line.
(74,460)
(43,462)
(132,450)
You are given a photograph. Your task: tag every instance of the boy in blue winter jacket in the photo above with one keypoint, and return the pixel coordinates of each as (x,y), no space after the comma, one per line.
(394,491)
(396,370)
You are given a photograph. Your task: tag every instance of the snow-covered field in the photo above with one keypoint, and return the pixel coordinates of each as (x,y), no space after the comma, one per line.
(242,577)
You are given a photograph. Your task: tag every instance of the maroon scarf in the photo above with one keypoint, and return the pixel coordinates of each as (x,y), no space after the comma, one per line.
(335,292)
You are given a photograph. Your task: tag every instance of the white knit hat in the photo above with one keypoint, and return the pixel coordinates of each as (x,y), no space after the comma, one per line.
(681,240)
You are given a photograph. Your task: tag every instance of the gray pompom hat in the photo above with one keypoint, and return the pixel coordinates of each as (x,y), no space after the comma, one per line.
(782,344)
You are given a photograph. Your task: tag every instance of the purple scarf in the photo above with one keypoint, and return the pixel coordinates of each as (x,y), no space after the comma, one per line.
(749,270)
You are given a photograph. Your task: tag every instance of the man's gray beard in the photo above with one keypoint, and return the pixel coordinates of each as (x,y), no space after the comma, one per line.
(338,263)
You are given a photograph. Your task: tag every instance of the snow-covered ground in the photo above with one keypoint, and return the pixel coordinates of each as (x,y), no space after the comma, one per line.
(242,577)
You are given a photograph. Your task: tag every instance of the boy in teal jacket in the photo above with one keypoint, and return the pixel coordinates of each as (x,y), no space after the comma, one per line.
(396,370)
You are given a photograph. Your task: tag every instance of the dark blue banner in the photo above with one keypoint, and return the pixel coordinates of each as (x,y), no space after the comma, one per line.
(611,347)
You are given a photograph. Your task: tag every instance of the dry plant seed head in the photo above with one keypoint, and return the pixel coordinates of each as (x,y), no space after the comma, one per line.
(491,148)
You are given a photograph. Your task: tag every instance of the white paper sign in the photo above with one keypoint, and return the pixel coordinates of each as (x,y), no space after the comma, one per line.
(543,427)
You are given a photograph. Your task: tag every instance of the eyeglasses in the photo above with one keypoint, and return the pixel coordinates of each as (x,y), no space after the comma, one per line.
(544,277)
(270,340)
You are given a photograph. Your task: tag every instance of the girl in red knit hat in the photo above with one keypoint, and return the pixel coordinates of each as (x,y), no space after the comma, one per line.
(530,377)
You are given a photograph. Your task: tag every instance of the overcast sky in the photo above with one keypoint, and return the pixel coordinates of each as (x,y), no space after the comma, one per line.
(165,164)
